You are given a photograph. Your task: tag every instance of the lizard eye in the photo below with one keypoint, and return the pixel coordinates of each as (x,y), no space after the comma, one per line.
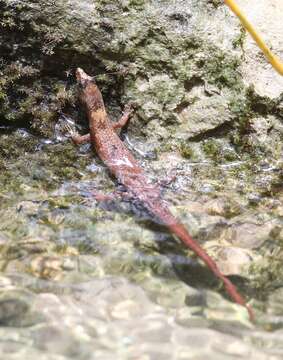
(85,82)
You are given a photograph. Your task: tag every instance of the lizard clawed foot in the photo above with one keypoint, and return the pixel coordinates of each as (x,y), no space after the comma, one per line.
(65,128)
(97,196)
(129,108)
(125,117)
(70,130)
(102,198)
(75,136)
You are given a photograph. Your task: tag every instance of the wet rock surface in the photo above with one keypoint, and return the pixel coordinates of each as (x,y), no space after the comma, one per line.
(87,280)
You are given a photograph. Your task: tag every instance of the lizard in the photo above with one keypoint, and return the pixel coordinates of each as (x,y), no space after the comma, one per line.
(126,169)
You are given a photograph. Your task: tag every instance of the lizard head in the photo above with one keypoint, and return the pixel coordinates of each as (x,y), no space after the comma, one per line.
(83,79)
(89,92)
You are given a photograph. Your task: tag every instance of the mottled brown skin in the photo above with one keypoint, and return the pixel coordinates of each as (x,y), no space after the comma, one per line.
(126,169)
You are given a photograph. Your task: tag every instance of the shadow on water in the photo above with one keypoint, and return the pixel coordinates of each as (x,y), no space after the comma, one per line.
(189,269)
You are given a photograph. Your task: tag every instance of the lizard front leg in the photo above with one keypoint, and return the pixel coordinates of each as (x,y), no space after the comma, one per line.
(75,136)
(82,139)
(124,119)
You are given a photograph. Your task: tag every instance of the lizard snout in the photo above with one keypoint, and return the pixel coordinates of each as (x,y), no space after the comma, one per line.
(82,77)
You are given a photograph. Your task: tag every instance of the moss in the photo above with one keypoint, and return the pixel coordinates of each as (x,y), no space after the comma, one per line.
(219,151)
(138,53)
(185,150)
(222,69)
(216,3)
(28,96)
(244,109)
(211,148)
(239,40)
(13,147)
(41,169)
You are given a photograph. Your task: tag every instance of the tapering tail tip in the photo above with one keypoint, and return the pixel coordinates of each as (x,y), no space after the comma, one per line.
(180,231)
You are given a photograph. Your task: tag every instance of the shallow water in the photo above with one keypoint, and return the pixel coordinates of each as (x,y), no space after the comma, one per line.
(86,280)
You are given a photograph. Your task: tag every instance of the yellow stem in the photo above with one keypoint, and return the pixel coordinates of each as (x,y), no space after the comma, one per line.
(273,59)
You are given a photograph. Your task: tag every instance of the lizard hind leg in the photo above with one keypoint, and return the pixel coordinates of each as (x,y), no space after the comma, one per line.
(80,139)
(104,199)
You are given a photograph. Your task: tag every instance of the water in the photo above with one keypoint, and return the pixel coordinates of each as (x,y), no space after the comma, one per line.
(81,280)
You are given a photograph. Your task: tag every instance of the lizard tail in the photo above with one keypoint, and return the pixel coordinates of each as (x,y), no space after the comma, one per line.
(161,211)
(180,231)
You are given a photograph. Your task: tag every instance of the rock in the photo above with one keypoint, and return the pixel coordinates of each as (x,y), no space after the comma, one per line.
(203,114)
(266,17)
(157,76)
(248,235)
(233,260)
(223,207)
(15,308)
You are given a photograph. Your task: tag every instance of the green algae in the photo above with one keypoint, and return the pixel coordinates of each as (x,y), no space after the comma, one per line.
(185,150)
(222,70)
(118,48)
(34,169)
(149,61)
